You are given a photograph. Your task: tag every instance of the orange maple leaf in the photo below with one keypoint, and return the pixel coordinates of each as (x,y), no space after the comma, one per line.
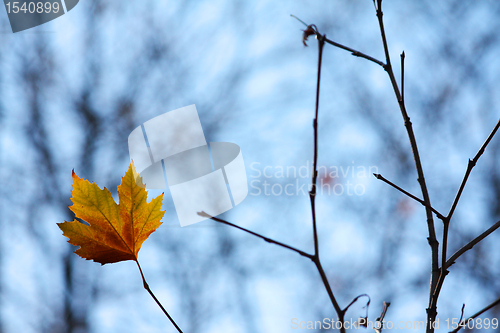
(116,232)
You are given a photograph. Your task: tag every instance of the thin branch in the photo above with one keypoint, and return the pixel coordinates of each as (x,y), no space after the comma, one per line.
(470,166)
(435,292)
(379,176)
(382,32)
(302,253)
(380,319)
(446,222)
(269,240)
(462,313)
(312,29)
(295,17)
(340,312)
(312,192)
(354,52)
(446,226)
(356,299)
(146,286)
(475,315)
(403,77)
(431,311)
(471,244)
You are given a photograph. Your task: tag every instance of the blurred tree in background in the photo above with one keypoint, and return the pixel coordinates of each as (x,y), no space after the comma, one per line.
(72,90)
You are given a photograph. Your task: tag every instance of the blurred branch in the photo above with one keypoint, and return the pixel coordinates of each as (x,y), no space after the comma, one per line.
(471,244)
(379,176)
(477,314)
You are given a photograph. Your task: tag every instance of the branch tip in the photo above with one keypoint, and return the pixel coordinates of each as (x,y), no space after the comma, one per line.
(203,214)
(295,17)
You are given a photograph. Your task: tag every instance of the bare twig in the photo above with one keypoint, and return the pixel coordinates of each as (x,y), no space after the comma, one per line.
(470,166)
(314,258)
(340,312)
(356,299)
(462,313)
(354,52)
(446,223)
(432,310)
(434,244)
(471,244)
(475,315)
(443,271)
(295,17)
(380,319)
(269,240)
(403,77)
(312,192)
(438,274)
(311,29)
(146,286)
(379,176)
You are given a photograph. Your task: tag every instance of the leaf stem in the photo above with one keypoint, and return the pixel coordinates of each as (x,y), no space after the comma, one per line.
(146,286)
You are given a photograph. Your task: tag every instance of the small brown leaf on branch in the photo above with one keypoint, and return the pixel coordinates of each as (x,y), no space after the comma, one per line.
(116,231)
(308,32)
